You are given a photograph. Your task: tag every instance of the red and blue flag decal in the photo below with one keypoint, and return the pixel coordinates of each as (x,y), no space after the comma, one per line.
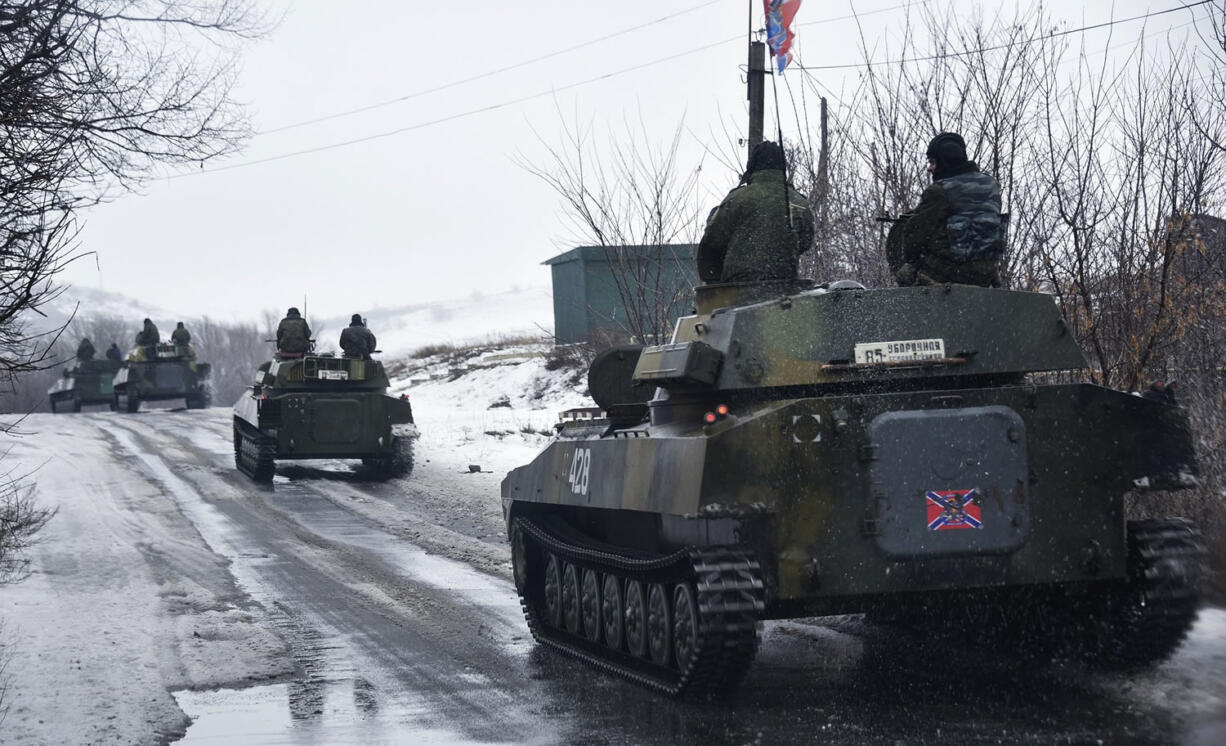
(953,509)
(779,15)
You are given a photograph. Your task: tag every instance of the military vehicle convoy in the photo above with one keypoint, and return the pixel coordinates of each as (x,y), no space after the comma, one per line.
(161,372)
(87,382)
(912,453)
(322,406)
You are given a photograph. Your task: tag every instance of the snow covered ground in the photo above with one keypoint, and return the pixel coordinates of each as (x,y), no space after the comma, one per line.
(131,599)
(133,595)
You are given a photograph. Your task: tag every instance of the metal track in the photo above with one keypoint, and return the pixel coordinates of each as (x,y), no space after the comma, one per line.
(1166,566)
(728,588)
(255,454)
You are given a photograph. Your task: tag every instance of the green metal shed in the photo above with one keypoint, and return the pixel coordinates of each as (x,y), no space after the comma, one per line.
(587,300)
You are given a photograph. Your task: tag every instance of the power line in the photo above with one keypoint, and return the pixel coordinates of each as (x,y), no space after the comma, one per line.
(963,53)
(501,105)
(814,83)
(490,73)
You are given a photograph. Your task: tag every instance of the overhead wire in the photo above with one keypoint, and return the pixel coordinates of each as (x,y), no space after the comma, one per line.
(605,76)
(500,105)
(487,74)
(965,52)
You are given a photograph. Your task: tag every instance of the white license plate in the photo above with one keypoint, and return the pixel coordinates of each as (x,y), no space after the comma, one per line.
(899,351)
(334,375)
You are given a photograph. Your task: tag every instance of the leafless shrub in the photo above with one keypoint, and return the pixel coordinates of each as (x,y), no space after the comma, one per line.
(639,196)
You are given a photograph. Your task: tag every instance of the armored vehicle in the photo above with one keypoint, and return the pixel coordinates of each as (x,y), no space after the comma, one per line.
(87,382)
(911,453)
(162,372)
(322,406)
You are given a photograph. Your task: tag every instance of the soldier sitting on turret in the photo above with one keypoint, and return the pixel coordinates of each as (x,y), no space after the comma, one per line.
(181,336)
(148,336)
(955,234)
(113,353)
(356,340)
(761,228)
(85,350)
(293,335)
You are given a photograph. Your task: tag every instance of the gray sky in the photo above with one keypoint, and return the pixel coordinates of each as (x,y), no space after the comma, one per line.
(443,210)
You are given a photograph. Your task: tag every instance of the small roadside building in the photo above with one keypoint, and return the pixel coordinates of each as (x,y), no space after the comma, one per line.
(601,292)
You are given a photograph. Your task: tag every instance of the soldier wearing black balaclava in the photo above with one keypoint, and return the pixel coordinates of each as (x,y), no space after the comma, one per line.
(955,234)
(761,228)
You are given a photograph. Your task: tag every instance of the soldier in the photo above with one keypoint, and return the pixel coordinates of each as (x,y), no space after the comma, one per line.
(85,350)
(760,230)
(181,336)
(148,336)
(113,353)
(955,234)
(293,335)
(356,339)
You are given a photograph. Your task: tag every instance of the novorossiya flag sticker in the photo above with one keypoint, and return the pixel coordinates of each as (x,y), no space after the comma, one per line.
(953,509)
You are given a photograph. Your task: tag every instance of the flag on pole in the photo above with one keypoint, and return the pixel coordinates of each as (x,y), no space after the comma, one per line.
(779,15)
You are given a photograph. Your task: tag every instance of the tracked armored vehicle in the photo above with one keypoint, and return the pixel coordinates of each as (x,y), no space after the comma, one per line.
(323,406)
(161,372)
(87,382)
(910,453)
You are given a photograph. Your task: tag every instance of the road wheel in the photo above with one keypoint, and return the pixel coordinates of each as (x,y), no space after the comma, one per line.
(659,625)
(611,618)
(589,599)
(635,616)
(570,599)
(553,592)
(685,624)
(519,559)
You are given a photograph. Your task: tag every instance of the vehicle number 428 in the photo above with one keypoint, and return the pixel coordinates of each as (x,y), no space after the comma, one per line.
(580,470)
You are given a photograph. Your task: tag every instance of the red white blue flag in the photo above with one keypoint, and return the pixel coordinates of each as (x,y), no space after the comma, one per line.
(953,509)
(779,15)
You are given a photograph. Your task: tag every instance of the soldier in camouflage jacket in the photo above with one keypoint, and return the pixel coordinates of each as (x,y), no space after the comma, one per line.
(956,232)
(760,230)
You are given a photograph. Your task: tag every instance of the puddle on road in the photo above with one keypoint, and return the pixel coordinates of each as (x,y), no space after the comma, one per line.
(341,714)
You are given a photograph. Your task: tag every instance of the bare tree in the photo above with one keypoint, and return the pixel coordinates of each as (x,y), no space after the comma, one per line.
(95,96)
(634,195)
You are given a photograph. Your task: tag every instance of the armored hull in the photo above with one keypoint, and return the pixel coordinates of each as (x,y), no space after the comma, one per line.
(901,452)
(161,372)
(320,406)
(88,382)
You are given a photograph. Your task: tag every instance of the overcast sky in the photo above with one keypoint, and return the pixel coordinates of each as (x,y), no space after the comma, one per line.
(443,210)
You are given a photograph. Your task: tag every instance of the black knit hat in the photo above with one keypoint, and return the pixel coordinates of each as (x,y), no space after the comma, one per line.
(766,156)
(356,320)
(948,150)
(292,312)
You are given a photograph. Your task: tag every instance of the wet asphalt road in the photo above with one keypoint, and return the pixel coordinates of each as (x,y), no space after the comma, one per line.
(394,644)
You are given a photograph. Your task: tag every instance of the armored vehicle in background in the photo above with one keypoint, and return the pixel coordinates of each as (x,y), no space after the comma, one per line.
(87,382)
(322,406)
(162,372)
(905,452)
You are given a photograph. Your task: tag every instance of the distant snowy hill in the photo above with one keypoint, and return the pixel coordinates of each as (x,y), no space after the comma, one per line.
(400,329)
(479,317)
(88,302)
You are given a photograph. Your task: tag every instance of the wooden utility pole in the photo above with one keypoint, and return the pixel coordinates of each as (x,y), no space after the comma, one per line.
(823,173)
(756,83)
